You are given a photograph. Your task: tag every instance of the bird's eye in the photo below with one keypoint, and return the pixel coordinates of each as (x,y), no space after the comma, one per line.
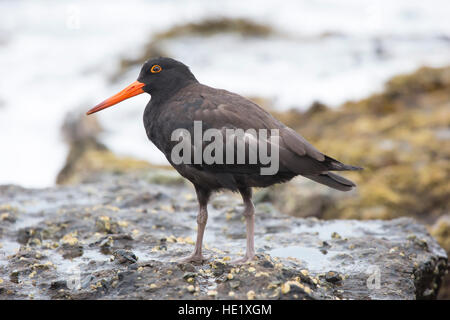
(155,69)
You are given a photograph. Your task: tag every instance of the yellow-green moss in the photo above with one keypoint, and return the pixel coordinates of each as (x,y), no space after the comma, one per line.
(213,26)
(393,135)
(207,27)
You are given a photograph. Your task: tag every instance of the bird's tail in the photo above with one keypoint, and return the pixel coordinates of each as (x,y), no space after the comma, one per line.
(332,180)
(334,165)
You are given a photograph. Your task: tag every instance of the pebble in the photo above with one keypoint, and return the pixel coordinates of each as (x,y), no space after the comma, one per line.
(212,293)
(333,277)
(285,288)
(336,235)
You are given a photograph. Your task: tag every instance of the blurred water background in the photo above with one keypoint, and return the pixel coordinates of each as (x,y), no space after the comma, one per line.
(59,56)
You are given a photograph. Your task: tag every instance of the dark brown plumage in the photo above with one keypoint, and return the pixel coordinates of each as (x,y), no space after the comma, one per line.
(178,99)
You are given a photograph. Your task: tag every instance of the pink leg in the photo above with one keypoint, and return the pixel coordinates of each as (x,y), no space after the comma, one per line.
(202,218)
(249,213)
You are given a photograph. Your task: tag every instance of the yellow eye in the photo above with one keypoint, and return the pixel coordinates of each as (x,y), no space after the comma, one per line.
(155,69)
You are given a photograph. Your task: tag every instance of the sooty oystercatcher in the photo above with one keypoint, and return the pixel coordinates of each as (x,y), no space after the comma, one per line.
(179,101)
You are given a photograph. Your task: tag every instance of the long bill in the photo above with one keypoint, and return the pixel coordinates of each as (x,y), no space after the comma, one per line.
(132,90)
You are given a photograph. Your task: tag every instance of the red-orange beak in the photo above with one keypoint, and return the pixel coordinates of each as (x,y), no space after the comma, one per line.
(132,90)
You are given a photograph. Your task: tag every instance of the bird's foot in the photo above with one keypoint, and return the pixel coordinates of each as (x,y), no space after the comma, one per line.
(195,258)
(244,259)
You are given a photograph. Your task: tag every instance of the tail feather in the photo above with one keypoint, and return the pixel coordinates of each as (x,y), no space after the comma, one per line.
(335,165)
(332,180)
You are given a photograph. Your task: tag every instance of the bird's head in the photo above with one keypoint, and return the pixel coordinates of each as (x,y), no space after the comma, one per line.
(158,77)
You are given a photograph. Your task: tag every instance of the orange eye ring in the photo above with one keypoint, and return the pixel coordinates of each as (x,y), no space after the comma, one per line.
(156,69)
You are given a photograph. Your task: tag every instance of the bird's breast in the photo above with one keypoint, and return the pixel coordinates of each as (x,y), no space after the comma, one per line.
(159,122)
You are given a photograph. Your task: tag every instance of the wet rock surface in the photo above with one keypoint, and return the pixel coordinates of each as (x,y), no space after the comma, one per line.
(121,237)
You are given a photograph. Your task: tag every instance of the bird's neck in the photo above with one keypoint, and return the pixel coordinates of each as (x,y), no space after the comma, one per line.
(160,95)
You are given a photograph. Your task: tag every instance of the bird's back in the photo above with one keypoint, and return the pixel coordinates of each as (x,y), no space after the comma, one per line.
(222,110)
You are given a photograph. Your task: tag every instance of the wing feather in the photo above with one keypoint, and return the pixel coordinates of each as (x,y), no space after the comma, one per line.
(225,110)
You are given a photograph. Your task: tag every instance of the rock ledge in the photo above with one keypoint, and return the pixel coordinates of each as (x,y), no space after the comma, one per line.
(120,237)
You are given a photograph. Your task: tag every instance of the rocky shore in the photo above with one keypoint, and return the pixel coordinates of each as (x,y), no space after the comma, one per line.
(116,226)
(120,237)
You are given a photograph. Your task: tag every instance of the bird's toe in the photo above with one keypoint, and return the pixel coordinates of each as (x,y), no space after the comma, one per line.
(244,259)
(195,258)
